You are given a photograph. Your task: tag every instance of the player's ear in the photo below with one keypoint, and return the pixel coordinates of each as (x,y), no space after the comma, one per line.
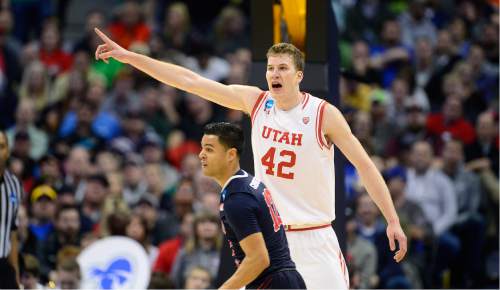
(300,75)
(232,153)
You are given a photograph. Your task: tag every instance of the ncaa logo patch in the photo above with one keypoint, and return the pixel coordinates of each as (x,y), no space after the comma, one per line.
(305,120)
(268,105)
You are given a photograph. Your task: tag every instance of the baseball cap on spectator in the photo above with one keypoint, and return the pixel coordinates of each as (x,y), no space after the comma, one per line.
(411,105)
(395,172)
(43,191)
(378,96)
(47,158)
(100,178)
(122,146)
(152,140)
(134,112)
(148,199)
(134,159)
(21,136)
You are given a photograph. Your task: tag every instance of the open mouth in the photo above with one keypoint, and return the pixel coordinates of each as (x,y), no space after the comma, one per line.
(276,85)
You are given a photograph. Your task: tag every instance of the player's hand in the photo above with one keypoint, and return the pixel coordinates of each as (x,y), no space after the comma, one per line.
(110,49)
(395,233)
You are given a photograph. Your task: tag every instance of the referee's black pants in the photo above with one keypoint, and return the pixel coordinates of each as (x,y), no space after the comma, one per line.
(7,275)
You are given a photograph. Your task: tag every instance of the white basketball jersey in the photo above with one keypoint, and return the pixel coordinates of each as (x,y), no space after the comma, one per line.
(294,160)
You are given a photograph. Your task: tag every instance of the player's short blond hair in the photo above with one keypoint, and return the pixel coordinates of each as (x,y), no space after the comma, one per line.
(288,49)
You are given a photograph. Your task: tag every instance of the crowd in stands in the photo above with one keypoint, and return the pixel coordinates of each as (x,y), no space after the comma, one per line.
(102,149)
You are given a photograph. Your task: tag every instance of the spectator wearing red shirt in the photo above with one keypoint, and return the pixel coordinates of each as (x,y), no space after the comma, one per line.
(51,54)
(449,123)
(168,250)
(130,26)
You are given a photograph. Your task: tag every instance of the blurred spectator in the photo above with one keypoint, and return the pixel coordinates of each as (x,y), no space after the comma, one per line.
(21,148)
(424,67)
(434,192)
(383,126)
(464,88)
(77,167)
(35,86)
(122,99)
(10,70)
(469,225)
(178,148)
(446,56)
(135,185)
(362,129)
(206,63)
(89,41)
(485,75)
(356,95)
(56,60)
(129,27)
(414,222)
(161,225)
(431,188)
(489,41)
(68,274)
(230,31)
(177,32)
(363,256)
(43,210)
(169,249)
(202,249)
(67,233)
(416,23)
(29,17)
(414,130)
(157,187)
(159,109)
(390,56)
(160,280)
(83,130)
(138,230)
(95,193)
(28,242)
(361,65)
(30,276)
(198,278)
(449,123)
(483,152)
(365,20)
(25,121)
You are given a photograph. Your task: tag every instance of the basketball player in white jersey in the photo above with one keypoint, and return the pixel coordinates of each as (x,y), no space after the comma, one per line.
(293,135)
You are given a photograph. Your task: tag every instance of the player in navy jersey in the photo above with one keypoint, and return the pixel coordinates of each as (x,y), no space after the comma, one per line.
(249,218)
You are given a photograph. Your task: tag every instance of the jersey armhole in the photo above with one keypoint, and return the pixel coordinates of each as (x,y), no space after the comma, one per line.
(257,105)
(320,136)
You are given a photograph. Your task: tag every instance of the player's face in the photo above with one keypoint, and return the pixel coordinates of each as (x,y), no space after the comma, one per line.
(282,77)
(213,156)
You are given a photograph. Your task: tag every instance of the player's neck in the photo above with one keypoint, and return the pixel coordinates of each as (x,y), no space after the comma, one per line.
(224,176)
(290,101)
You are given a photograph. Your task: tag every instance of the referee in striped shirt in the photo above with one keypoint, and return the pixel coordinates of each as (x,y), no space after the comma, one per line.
(10,198)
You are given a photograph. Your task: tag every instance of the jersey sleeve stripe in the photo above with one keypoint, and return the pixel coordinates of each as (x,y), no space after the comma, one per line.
(257,106)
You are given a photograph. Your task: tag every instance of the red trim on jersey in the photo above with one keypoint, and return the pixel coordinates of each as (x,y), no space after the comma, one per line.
(257,105)
(319,119)
(265,283)
(321,136)
(289,229)
(306,99)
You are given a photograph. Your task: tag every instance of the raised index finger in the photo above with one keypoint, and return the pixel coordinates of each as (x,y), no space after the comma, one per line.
(103,36)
